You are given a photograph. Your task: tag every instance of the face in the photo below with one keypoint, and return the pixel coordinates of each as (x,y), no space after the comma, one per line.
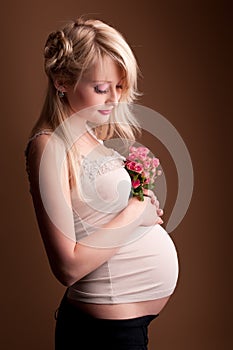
(98,92)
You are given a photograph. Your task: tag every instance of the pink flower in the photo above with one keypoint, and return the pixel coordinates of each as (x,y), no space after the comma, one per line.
(140,153)
(130,165)
(146,173)
(147,164)
(142,170)
(136,183)
(143,150)
(132,156)
(133,149)
(137,167)
(155,162)
(147,181)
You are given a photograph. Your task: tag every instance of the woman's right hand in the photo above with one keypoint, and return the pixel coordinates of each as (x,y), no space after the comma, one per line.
(148,210)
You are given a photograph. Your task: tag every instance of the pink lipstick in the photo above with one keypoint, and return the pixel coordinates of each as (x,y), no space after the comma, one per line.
(105,111)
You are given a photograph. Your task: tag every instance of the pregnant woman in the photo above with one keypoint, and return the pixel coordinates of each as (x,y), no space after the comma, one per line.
(109,249)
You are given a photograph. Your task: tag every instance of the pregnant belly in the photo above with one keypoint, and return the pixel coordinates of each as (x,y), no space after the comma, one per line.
(146,269)
(142,272)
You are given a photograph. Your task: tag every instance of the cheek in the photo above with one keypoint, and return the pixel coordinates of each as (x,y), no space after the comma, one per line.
(84,99)
(80,98)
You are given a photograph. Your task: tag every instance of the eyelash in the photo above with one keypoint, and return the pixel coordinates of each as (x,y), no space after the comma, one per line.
(98,91)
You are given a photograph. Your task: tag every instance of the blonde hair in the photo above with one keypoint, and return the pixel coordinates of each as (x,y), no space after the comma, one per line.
(68,53)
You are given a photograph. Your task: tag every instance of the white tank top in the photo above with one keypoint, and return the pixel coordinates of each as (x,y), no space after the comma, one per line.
(145,266)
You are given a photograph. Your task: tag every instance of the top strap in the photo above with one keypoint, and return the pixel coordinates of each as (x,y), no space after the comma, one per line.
(41,132)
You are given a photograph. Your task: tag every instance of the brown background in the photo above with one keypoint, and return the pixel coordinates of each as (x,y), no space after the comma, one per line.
(183,48)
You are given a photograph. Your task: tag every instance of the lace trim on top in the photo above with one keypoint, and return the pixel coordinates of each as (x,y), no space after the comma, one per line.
(103,164)
(90,167)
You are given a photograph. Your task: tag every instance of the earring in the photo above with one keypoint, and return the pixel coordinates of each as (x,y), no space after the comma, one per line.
(61,94)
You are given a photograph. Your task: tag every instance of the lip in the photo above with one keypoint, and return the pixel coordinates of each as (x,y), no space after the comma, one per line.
(105,111)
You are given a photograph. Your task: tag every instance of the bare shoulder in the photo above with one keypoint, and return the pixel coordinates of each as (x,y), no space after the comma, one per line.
(33,154)
(36,144)
(39,143)
(45,155)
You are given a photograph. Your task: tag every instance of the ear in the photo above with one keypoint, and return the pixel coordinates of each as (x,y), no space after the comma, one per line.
(60,85)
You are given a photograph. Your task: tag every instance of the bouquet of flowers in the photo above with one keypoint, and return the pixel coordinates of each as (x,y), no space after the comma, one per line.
(142,169)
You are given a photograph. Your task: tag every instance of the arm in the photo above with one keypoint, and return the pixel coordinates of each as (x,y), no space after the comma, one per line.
(69,260)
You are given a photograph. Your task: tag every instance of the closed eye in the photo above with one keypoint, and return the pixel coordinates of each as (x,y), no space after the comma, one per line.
(102,88)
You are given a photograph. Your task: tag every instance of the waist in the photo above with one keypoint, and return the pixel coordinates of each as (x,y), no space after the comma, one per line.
(124,311)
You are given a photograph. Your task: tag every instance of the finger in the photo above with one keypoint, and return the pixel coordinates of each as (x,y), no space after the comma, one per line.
(160,212)
(159,221)
(152,198)
(153,202)
(148,192)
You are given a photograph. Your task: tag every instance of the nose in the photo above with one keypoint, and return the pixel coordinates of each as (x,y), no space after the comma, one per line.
(113,97)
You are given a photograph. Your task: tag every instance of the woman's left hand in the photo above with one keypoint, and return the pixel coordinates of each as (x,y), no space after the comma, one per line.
(154,201)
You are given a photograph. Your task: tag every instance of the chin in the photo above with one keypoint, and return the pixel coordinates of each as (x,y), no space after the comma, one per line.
(98,118)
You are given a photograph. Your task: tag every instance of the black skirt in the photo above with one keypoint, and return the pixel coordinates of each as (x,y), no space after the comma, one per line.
(76,329)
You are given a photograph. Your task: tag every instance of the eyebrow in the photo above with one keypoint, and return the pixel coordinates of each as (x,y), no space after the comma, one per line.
(106,81)
(101,81)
